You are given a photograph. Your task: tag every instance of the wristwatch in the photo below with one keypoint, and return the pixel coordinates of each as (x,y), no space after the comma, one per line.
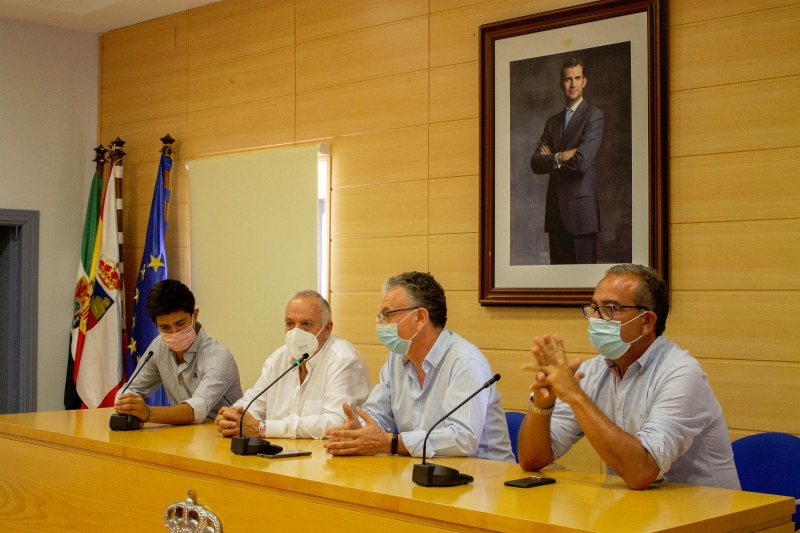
(537,410)
(262,428)
(395,442)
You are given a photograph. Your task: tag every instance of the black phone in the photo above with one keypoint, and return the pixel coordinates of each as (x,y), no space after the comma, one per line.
(285,453)
(528,482)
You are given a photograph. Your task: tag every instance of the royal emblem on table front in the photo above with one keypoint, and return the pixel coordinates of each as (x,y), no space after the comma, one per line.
(188,517)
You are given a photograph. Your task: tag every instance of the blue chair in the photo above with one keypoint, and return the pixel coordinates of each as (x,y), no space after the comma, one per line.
(770,463)
(514,421)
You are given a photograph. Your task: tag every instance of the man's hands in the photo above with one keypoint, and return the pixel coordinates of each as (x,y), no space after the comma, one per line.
(351,438)
(554,376)
(563,156)
(227,422)
(132,404)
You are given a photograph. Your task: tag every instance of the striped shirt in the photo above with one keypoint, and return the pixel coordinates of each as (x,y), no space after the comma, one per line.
(454,369)
(208,379)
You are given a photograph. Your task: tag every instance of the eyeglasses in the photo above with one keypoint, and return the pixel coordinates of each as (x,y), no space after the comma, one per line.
(606,312)
(384,316)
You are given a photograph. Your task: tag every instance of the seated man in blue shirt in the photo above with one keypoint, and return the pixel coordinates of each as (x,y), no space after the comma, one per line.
(644,404)
(429,371)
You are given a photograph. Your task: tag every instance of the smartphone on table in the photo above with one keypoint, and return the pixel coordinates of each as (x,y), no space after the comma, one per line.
(530,481)
(285,453)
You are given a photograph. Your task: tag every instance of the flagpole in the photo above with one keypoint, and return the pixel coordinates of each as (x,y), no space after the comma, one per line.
(168,151)
(117,154)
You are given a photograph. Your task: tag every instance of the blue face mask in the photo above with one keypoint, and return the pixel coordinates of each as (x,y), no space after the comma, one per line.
(605,337)
(387,333)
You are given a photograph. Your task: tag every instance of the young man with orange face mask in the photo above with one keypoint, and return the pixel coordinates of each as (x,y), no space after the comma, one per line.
(199,374)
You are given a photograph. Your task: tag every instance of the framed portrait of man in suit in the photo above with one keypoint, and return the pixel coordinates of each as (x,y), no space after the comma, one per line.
(573,150)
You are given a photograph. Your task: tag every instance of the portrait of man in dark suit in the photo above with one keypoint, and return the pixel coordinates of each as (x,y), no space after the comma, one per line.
(571,157)
(567,151)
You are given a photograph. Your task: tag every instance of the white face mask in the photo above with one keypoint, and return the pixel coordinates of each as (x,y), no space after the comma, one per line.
(300,341)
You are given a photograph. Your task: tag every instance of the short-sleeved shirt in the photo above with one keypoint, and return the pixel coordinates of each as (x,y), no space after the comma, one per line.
(208,379)
(665,401)
(454,369)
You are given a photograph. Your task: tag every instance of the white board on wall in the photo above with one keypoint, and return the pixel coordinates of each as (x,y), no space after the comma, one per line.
(253,226)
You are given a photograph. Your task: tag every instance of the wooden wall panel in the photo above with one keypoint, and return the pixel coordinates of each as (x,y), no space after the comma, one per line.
(737,118)
(455,148)
(454,261)
(765,34)
(734,382)
(736,255)
(242,126)
(381,157)
(385,103)
(735,186)
(387,50)
(380,210)
(455,92)
(744,325)
(316,20)
(354,314)
(242,79)
(687,11)
(152,48)
(238,28)
(385,256)
(443,5)
(141,101)
(454,205)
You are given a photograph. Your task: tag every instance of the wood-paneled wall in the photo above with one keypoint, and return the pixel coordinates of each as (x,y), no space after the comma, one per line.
(393,86)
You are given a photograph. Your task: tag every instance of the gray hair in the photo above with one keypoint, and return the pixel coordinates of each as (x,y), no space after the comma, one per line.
(651,294)
(323,304)
(423,291)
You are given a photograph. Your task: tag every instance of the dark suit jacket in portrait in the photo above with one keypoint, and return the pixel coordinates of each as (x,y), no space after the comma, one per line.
(572,189)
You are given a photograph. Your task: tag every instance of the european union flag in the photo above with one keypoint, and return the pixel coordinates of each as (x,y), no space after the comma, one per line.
(152,269)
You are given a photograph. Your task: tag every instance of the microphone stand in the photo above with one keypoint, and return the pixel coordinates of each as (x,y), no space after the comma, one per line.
(242,445)
(431,475)
(119,422)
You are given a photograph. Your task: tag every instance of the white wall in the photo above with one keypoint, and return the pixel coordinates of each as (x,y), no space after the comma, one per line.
(48,127)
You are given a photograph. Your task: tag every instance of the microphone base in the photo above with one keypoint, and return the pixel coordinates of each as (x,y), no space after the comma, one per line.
(431,475)
(253,446)
(119,422)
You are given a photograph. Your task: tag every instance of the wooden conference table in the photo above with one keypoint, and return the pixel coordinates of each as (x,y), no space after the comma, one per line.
(67,471)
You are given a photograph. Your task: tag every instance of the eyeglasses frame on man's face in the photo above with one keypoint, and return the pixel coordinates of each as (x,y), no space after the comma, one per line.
(596,309)
(384,316)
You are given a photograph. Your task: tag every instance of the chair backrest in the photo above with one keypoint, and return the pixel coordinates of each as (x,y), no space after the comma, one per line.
(769,463)
(514,420)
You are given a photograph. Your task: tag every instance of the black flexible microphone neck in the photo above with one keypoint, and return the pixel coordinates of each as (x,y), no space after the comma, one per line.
(297,362)
(119,422)
(456,408)
(136,372)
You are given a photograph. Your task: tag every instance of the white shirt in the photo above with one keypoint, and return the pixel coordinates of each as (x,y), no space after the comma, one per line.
(336,374)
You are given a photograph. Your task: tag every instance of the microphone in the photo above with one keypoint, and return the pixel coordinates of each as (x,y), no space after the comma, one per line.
(431,475)
(242,445)
(119,422)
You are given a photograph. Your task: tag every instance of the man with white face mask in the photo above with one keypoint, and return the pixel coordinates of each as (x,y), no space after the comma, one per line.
(307,401)
(644,404)
(198,373)
(429,371)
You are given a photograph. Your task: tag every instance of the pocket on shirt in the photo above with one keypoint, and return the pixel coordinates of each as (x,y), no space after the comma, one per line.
(312,408)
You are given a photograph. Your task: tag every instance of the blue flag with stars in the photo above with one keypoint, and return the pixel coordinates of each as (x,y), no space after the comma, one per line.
(152,269)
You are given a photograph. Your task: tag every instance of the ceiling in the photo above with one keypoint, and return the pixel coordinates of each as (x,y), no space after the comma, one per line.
(93,16)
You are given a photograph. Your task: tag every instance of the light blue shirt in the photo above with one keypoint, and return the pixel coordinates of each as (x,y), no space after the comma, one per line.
(454,369)
(665,401)
(208,379)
